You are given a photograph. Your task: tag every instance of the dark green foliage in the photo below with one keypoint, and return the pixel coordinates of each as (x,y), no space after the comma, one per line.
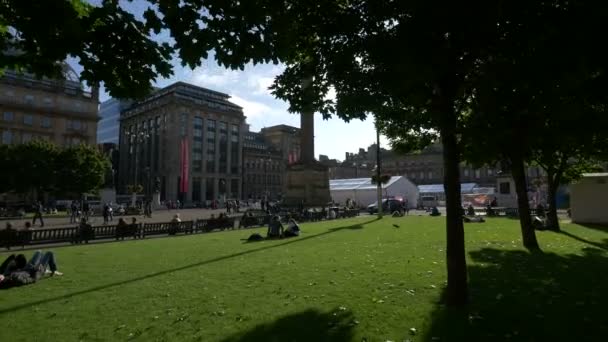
(42,167)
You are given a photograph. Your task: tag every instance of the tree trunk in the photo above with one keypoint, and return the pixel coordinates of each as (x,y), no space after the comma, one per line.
(519,176)
(553,184)
(457,293)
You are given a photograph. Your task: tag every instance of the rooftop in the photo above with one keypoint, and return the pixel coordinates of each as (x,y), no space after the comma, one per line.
(358,183)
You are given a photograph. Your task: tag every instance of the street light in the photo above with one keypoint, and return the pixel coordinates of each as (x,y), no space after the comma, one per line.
(136,138)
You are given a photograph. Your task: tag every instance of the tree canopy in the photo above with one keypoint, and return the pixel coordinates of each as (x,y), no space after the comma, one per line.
(424,69)
(40,166)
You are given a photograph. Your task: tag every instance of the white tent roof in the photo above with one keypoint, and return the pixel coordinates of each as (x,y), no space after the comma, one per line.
(358,183)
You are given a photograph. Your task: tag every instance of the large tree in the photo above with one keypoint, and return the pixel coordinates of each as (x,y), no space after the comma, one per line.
(412,63)
(81,169)
(539,100)
(111,44)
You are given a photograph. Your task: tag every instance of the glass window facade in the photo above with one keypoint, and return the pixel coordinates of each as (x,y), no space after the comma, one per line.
(197,145)
(8,116)
(209,189)
(234,149)
(211,135)
(196,189)
(223,128)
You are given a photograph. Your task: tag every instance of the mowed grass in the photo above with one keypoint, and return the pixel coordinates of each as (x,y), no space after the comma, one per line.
(346,280)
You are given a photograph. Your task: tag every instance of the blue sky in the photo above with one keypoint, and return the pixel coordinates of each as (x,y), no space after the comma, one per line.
(249,89)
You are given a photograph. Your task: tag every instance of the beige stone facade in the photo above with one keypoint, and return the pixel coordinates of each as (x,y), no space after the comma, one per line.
(155,131)
(266,156)
(59,111)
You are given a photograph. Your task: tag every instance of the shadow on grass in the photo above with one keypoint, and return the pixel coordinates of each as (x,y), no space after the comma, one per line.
(309,325)
(519,296)
(603,245)
(600,227)
(185,267)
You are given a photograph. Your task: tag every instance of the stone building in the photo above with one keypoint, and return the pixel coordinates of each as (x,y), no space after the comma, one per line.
(59,111)
(184,140)
(266,156)
(263,168)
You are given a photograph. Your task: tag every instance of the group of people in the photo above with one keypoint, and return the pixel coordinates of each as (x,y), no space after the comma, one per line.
(276,229)
(17,271)
(79,210)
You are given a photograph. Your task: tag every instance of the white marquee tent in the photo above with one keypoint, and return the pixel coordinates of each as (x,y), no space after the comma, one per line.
(364,192)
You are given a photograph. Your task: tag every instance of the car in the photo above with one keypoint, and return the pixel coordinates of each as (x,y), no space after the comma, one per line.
(389,205)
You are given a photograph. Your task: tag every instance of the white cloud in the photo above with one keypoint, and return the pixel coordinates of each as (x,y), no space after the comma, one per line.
(260,84)
(218,77)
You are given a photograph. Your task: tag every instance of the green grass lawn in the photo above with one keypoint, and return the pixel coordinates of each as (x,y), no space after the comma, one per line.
(347,280)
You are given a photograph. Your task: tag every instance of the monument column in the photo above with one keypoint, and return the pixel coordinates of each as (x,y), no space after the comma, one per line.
(307,128)
(307,182)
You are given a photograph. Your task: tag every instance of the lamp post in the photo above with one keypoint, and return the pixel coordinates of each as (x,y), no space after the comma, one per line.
(136,138)
(378,171)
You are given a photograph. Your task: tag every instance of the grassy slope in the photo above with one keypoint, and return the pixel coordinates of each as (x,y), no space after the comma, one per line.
(343,280)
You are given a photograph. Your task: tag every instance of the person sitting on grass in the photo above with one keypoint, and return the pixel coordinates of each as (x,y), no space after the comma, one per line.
(470,210)
(275,228)
(39,265)
(435,212)
(292,228)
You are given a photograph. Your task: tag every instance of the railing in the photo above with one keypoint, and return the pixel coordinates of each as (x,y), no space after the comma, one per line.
(21,238)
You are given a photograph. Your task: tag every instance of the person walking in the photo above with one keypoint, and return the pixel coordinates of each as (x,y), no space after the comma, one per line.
(38,213)
(106,213)
(73,212)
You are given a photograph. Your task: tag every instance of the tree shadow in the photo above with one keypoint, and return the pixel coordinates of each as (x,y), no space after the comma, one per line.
(603,245)
(309,325)
(272,244)
(520,296)
(600,227)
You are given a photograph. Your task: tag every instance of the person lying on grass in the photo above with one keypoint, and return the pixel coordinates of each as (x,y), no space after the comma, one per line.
(14,271)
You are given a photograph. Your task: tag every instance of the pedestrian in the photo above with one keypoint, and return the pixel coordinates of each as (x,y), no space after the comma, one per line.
(85,209)
(106,213)
(38,213)
(110,211)
(73,212)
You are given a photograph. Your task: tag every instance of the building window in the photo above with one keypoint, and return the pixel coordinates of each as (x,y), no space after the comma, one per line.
(77,125)
(48,101)
(28,119)
(430,174)
(490,172)
(210,145)
(7,137)
(8,116)
(466,172)
(182,124)
(234,149)
(421,175)
(223,152)
(45,122)
(29,99)
(477,174)
(234,188)
(505,188)
(26,137)
(196,189)
(209,189)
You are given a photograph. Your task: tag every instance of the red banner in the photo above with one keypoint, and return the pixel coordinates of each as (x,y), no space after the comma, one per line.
(185,166)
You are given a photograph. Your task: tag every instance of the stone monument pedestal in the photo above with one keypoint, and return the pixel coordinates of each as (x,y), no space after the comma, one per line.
(156,200)
(307,183)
